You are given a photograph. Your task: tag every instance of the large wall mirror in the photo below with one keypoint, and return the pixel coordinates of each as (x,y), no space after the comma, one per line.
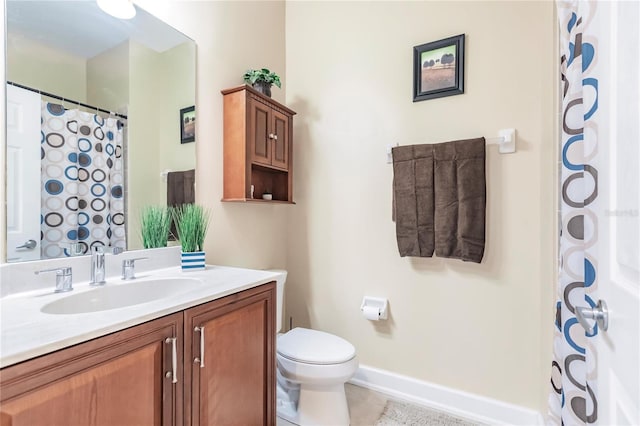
(79,175)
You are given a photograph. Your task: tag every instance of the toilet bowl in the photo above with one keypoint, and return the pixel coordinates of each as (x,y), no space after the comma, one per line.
(312,368)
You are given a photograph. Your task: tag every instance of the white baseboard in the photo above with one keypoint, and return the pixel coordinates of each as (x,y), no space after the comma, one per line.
(456,402)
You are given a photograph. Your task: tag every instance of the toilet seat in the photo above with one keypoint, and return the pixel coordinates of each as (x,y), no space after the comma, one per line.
(313,367)
(314,347)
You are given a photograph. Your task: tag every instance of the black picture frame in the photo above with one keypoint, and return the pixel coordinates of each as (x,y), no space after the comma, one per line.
(433,79)
(188,124)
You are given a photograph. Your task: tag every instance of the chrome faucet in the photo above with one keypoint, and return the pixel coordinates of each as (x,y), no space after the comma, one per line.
(63,278)
(97,263)
(128,268)
(72,249)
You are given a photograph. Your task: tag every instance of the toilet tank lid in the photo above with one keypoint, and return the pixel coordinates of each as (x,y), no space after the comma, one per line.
(314,347)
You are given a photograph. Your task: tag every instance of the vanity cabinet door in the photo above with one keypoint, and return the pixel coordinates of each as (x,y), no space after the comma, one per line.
(230,346)
(118,379)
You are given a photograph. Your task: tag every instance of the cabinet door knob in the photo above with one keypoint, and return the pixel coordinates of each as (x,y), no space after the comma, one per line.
(271,136)
(174,359)
(201,359)
(275,137)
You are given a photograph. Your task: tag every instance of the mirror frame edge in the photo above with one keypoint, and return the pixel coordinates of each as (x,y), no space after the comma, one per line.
(3,139)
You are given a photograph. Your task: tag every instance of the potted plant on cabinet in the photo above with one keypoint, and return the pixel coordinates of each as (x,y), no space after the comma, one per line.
(262,79)
(154,226)
(192,223)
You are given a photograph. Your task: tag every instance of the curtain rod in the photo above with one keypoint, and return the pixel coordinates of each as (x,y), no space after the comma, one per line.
(51,95)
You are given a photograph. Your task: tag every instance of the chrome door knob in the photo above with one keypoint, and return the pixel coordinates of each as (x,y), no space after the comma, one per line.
(29,245)
(600,313)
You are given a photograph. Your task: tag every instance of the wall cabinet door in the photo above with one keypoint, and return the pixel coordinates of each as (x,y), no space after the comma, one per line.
(279,140)
(259,133)
(118,379)
(230,343)
(268,136)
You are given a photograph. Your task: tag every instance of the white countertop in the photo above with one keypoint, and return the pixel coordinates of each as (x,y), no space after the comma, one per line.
(26,332)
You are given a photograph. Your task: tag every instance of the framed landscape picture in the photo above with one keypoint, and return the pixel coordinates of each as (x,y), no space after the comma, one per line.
(438,68)
(188,124)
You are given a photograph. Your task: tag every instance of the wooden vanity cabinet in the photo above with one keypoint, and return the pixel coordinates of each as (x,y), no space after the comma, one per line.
(227,374)
(230,346)
(118,379)
(258,140)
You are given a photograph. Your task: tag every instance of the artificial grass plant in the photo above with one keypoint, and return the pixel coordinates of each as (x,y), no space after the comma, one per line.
(192,223)
(155,222)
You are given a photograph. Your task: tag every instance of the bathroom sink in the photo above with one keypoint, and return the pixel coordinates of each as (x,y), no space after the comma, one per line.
(114,296)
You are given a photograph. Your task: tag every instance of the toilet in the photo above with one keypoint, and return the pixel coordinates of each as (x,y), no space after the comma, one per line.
(312,368)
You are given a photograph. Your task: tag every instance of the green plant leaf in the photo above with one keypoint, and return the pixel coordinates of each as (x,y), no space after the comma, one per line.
(192,223)
(262,75)
(155,223)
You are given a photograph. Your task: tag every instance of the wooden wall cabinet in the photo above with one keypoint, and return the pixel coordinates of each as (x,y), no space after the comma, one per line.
(258,140)
(225,372)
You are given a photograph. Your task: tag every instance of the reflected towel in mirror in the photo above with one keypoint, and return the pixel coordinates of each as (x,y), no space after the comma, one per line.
(180,190)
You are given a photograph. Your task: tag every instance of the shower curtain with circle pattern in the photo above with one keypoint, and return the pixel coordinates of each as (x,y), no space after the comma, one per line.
(573,397)
(82,181)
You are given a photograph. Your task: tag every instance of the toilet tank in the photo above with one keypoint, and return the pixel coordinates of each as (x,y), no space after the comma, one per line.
(280,280)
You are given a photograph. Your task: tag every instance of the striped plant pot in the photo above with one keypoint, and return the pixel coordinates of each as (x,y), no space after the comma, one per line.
(192,261)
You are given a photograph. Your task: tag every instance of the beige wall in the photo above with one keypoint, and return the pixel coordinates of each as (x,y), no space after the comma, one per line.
(143,132)
(161,84)
(65,74)
(231,37)
(178,82)
(478,328)
(108,79)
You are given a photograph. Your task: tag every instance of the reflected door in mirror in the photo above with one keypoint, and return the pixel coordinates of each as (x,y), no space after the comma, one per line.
(23,168)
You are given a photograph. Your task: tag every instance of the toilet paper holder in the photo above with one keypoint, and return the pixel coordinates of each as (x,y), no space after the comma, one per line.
(378,303)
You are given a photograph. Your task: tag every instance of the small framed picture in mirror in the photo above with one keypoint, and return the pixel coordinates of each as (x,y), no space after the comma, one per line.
(188,124)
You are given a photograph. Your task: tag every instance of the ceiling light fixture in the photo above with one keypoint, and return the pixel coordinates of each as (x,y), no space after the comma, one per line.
(122,9)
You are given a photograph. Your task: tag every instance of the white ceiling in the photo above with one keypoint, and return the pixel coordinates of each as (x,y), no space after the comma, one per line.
(81,28)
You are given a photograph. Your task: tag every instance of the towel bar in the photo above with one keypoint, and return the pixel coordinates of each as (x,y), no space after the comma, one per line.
(506,140)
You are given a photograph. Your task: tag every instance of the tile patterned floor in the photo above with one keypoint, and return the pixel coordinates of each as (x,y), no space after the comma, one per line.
(365,406)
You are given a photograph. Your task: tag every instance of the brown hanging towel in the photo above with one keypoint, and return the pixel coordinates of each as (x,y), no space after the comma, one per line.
(460,199)
(413,197)
(180,190)
(439,197)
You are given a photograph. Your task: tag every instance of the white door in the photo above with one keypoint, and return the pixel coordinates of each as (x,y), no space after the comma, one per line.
(618,349)
(23,175)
